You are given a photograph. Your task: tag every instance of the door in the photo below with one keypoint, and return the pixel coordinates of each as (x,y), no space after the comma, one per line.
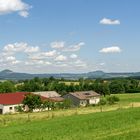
(0,111)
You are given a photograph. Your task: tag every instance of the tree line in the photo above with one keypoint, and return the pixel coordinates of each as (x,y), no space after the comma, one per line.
(104,87)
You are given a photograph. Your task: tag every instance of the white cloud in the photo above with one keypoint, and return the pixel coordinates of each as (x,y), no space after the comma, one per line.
(73,56)
(37,62)
(113,49)
(20,47)
(74,48)
(16,47)
(57,45)
(32,49)
(48,63)
(61,58)
(108,21)
(62,65)
(24,14)
(29,63)
(79,63)
(49,53)
(35,57)
(10,58)
(102,64)
(10,6)
(22,56)
(15,62)
(41,55)
(40,62)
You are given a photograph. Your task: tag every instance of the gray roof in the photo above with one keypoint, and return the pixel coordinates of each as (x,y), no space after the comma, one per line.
(48,94)
(83,95)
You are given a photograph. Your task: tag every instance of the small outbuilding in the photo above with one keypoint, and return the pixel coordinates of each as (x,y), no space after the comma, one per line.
(83,98)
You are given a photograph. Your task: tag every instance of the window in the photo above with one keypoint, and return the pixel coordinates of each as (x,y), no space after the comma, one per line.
(10,108)
(87,93)
(82,102)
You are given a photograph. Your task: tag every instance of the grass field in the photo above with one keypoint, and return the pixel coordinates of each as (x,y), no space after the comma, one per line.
(111,123)
(121,124)
(129,98)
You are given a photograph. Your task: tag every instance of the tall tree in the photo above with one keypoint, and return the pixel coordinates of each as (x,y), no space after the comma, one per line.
(116,87)
(32,101)
(6,87)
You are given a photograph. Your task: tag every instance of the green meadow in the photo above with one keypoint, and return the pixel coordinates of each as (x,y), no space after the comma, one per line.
(121,124)
(91,123)
(129,97)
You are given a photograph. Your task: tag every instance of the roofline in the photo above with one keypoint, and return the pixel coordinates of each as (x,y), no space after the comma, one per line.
(71,93)
(11,104)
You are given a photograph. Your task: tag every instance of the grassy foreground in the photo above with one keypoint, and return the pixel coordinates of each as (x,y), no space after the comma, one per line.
(117,122)
(123,124)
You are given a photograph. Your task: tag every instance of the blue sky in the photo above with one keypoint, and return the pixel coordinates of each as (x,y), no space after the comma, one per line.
(53,36)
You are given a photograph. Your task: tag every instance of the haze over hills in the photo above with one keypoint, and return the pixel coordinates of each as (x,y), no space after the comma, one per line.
(10,75)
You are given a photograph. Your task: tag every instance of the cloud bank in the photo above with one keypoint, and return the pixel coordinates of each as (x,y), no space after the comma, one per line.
(11,6)
(22,56)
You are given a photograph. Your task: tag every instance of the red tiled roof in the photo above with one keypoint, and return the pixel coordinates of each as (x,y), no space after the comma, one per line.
(14,98)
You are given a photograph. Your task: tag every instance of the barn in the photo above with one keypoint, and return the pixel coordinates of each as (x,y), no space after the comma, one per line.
(83,98)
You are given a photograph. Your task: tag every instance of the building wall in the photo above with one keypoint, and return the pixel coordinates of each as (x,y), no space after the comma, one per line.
(83,102)
(94,100)
(12,109)
(75,101)
(9,108)
(78,102)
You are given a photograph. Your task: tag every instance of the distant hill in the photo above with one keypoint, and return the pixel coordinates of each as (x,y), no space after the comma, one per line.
(10,75)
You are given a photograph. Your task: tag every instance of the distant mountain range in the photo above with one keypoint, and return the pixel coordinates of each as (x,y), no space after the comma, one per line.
(10,75)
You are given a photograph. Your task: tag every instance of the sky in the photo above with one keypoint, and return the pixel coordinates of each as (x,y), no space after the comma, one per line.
(70,36)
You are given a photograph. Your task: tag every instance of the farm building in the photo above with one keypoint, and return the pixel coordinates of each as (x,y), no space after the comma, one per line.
(9,102)
(51,95)
(83,98)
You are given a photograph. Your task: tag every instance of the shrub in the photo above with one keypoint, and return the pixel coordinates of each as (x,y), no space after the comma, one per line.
(32,101)
(115,98)
(102,101)
(19,108)
(112,99)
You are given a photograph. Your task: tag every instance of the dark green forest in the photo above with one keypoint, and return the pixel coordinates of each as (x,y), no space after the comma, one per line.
(104,87)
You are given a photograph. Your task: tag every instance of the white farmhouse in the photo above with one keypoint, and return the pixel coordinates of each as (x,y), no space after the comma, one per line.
(10,101)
